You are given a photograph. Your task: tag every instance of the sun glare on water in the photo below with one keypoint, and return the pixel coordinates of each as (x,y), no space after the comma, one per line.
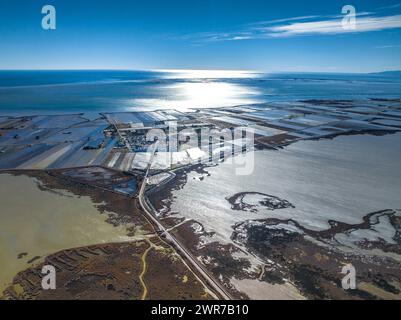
(209,74)
(203,89)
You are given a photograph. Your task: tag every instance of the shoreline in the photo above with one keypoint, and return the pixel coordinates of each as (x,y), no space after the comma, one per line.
(102,113)
(121,206)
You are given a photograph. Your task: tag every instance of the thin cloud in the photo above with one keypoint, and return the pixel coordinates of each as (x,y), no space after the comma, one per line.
(363,24)
(398,5)
(300,26)
(389,46)
(301,18)
(269,22)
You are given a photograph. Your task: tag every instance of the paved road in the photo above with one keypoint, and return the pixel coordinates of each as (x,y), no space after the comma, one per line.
(195,263)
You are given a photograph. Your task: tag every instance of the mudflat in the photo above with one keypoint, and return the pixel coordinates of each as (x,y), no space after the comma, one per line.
(37,222)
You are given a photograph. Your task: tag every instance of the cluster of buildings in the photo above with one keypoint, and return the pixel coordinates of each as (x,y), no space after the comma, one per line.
(122,140)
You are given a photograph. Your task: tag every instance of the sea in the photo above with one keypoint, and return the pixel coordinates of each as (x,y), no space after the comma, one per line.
(94,91)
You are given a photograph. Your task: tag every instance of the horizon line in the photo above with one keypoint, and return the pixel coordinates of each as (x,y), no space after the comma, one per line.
(176,70)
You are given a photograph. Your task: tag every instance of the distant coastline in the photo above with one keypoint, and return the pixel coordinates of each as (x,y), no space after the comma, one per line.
(95,91)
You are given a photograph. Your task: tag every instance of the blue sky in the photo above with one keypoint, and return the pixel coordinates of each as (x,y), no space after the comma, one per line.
(201,34)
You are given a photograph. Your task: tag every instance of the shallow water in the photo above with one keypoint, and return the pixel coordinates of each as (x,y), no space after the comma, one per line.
(342,179)
(40,223)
